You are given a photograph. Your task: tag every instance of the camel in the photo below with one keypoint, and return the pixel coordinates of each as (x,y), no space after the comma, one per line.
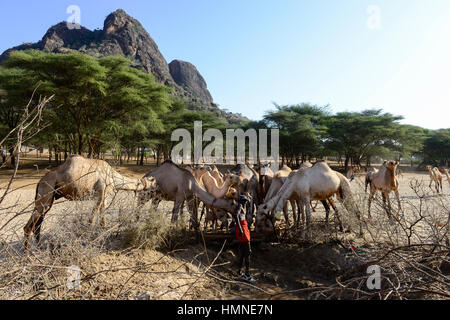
(369,174)
(213,216)
(217,175)
(384,179)
(436,177)
(77,179)
(211,186)
(277,182)
(198,172)
(316,183)
(447,175)
(179,185)
(219,191)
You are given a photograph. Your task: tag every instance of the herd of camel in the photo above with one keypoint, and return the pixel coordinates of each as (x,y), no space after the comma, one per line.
(269,192)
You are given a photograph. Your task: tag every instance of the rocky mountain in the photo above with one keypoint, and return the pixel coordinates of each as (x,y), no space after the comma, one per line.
(186,75)
(122,35)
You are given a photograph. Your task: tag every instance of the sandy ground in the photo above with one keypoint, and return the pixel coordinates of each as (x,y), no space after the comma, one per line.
(169,276)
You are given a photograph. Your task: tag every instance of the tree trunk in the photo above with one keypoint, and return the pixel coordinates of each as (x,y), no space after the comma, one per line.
(56,156)
(346,163)
(137,156)
(80,143)
(158,156)
(50,156)
(141,163)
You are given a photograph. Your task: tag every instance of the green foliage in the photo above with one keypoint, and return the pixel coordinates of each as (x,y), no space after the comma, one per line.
(359,135)
(436,147)
(96,100)
(300,129)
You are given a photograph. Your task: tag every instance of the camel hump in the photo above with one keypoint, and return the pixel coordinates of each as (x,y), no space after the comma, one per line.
(321,165)
(169,162)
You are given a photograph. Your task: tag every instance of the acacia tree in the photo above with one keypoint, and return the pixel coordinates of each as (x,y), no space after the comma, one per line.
(436,148)
(359,135)
(90,94)
(300,130)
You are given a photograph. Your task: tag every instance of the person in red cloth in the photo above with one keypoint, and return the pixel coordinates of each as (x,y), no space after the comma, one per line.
(243,236)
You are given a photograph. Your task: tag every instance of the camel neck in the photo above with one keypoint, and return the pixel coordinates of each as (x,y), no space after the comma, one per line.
(390,177)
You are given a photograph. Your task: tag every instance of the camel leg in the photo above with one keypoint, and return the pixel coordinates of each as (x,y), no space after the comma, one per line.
(327,211)
(300,214)
(286,214)
(308,219)
(333,205)
(42,206)
(397,196)
(193,210)
(294,211)
(176,208)
(387,201)
(100,202)
(34,227)
(303,215)
(371,195)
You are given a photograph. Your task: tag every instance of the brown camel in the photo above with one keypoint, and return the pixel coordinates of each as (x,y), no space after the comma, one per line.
(384,179)
(212,186)
(436,177)
(217,175)
(447,175)
(77,179)
(198,172)
(316,183)
(178,185)
(214,216)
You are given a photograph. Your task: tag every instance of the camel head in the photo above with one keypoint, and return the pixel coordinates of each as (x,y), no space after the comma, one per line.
(203,169)
(228,205)
(391,165)
(263,224)
(232,194)
(232,179)
(149,183)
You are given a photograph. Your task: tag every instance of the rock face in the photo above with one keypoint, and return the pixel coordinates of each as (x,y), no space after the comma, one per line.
(122,35)
(186,75)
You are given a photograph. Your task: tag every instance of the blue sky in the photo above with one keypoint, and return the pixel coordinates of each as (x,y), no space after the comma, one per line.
(256,52)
